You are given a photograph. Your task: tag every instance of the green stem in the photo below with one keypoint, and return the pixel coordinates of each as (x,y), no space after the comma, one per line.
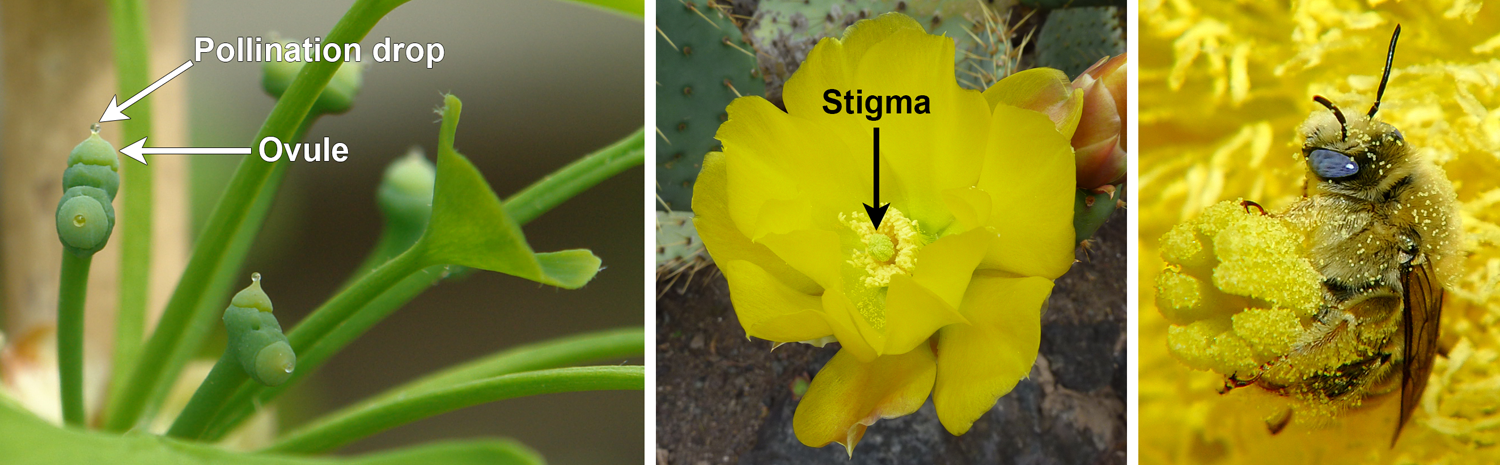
(561,352)
(577,177)
(523,207)
(380,416)
(132,74)
(572,350)
(390,244)
(225,375)
(28,439)
(310,331)
(209,254)
(628,8)
(71,295)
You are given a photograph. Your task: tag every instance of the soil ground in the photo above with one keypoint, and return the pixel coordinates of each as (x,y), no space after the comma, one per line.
(724,399)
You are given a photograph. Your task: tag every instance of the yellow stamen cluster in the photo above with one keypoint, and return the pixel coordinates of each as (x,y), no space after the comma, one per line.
(888,251)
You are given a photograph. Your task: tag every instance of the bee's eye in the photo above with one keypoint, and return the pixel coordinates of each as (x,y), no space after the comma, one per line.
(1328,164)
(1399,136)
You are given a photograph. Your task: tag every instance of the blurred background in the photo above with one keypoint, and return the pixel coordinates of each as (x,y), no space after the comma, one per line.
(542,81)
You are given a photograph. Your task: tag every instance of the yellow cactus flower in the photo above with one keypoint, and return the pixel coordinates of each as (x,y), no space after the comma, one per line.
(944,295)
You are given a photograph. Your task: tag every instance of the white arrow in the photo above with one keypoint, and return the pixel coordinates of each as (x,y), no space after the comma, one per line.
(138,149)
(114,112)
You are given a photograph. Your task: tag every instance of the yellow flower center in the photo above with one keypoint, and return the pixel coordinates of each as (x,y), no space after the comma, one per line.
(886,252)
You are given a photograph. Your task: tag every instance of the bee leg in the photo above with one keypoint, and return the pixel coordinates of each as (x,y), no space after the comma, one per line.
(1233,382)
(1247,204)
(1278,422)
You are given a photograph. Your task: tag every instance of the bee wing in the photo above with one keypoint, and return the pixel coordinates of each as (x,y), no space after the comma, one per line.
(1421,312)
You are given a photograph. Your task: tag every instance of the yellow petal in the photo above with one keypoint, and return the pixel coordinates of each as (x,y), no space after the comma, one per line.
(848,395)
(724,241)
(780,216)
(1046,90)
(862,35)
(833,61)
(970,205)
(981,361)
(772,156)
(770,310)
(815,253)
(945,267)
(1028,172)
(925,155)
(912,314)
(921,155)
(854,333)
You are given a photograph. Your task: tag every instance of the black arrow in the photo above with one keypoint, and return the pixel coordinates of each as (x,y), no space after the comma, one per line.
(877,213)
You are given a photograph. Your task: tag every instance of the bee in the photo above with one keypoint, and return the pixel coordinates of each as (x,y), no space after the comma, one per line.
(1381,225)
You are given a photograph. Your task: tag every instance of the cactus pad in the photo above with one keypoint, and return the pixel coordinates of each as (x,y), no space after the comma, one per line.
(679,251)
(702,64)
(1073,39)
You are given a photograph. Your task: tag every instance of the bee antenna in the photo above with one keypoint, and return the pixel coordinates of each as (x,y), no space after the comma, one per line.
(1343,129)
(1390,55)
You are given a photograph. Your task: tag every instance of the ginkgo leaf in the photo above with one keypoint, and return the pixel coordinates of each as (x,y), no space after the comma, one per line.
(469,225)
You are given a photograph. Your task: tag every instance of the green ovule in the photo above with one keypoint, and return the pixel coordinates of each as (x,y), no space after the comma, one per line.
(255,337)
(85,216)
(405,195)
(84,219)
(95,151)
(337,98)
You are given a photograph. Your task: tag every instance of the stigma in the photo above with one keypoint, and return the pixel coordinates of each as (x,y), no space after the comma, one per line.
(887,251)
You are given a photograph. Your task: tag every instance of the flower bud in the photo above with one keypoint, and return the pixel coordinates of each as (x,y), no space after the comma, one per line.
(1099,141)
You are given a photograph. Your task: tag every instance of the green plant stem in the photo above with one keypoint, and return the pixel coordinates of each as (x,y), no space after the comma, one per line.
(210,252)
(31,440)
(311,330)
(132,74)
(72,293)
(561,352)
(576,177)
(390,244)
(225,375)
(380,416)
(556,353)
(523,207)
(628,8)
